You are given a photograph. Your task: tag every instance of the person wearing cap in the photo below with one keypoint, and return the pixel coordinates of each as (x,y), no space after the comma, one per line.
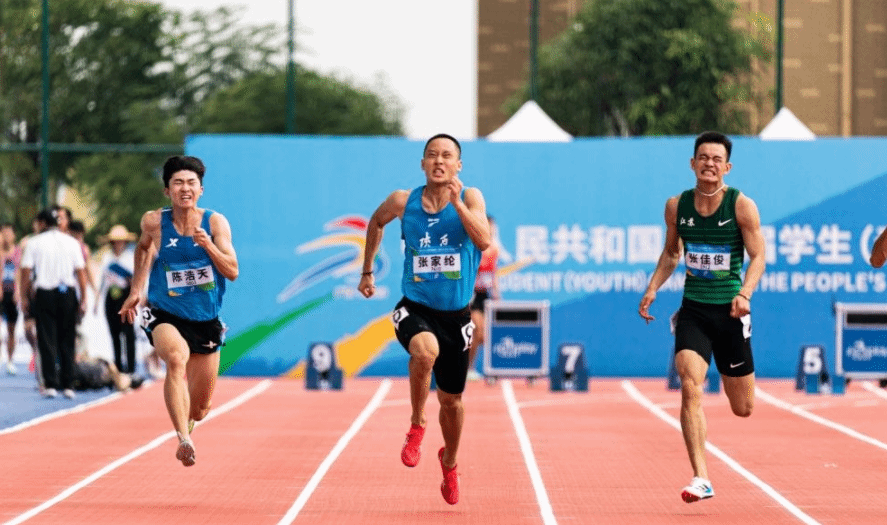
(52,266)
(117,266)
(189,254)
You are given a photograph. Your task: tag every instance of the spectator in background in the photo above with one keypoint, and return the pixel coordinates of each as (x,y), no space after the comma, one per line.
(115,282)
(94,373)
(77,230)
(10,255)
(63,218)
(49,264)
(30,325)
(486,286)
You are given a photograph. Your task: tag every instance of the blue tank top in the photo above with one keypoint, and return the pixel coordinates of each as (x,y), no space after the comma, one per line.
(440,259)
(184,281)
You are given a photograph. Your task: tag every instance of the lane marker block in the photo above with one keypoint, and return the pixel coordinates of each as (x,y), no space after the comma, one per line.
(321,370)
(571,371)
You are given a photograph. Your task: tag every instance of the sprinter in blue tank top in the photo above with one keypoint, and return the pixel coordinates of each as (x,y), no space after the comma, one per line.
(444,227)
(189,254)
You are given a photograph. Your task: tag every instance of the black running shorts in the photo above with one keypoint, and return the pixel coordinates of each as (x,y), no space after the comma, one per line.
(453,330)
(708,330)
(203,337)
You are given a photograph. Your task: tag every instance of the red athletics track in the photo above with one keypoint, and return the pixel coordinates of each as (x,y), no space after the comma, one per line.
(287,455)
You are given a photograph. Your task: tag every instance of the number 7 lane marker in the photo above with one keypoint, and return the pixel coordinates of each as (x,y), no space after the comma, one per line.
(635,394)
(65,494)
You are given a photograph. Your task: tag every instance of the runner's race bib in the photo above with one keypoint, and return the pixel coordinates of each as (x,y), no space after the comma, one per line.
(441,262)
(707,261)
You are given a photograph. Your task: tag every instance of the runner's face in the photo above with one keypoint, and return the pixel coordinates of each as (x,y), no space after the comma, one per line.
(184,189)
(441,162)
(710,163)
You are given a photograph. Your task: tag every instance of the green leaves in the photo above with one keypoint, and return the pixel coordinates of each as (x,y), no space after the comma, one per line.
(650,67)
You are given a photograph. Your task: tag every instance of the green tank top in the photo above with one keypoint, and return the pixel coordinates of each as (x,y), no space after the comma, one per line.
(713,249)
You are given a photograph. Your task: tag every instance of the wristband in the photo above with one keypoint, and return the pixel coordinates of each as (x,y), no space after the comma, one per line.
(367,273)
(744,297)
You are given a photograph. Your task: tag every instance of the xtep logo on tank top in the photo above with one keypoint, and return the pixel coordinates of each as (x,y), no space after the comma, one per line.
(348,232)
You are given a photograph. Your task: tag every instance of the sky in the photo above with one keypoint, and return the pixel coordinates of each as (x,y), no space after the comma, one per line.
(426,52)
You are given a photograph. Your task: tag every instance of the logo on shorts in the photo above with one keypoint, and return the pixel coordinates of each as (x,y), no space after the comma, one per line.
(737,364)
(211,345)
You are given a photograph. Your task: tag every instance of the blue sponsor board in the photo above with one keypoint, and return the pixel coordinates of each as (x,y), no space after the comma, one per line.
(864,351)
(516,348)
(861,340)
(516,339)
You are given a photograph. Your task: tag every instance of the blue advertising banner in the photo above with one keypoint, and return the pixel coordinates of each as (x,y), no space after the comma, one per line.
(864,351)
(580,225)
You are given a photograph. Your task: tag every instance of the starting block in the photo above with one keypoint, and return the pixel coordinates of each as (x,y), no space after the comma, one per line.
(712,380)
(321,370)
(571,371)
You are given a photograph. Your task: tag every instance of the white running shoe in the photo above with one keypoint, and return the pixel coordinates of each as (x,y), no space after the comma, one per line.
(50,393)
(11,369)
(185,452)
(69,393)
(697,489)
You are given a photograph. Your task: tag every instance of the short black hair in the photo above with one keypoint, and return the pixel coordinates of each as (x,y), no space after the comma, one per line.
(182,162)
(49,217)
(443,136)
(77,227)
(715,137)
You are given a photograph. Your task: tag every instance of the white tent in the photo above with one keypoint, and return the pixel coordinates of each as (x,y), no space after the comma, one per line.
(786,126)
(530,124)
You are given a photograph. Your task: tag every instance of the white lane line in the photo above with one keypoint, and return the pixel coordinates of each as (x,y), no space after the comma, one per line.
(715,451)
(527,450)
(798,411)
(878,391)
(321,471)
(230,405)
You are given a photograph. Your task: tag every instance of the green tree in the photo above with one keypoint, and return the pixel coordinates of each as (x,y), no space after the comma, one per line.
(102,58)
(324,106)
(219,77)
(649,67)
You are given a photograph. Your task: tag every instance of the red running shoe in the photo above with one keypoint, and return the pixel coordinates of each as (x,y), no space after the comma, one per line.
(412,451)
(449,487)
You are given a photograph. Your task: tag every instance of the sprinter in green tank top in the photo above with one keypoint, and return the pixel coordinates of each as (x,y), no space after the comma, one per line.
(712,225)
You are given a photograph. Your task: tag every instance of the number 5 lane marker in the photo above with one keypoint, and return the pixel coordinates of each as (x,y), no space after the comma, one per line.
(635,394)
